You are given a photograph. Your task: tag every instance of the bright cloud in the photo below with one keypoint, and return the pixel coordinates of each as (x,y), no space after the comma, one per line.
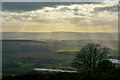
(83,17)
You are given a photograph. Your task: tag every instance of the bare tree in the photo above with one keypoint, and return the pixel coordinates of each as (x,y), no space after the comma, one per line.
(87,59)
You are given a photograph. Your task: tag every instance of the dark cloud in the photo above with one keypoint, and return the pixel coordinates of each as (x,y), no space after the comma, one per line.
(76,10)
(46,10)
(78,14)
(108,8)
(29,6)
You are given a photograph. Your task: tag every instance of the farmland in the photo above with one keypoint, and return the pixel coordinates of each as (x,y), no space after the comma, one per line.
(20,56)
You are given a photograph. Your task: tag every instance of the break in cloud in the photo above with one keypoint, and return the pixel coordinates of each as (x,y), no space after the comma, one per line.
(60,16)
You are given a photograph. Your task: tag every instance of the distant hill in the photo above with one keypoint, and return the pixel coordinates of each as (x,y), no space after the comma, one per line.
(58,36)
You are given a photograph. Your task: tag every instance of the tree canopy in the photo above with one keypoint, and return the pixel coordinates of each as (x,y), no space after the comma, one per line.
(89,56)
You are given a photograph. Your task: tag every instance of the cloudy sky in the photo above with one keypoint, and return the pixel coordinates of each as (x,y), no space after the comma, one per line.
(59,16)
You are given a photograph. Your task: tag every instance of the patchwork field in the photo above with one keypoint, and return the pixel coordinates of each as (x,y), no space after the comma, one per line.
(20,56)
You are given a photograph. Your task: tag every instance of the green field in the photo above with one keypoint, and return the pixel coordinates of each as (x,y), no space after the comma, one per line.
(20,56)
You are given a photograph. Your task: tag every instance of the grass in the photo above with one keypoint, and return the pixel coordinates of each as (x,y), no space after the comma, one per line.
(30,54)
(10,46)
(67,50)
(28,65)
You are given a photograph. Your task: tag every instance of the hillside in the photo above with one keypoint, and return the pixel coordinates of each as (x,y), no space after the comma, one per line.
(59,36)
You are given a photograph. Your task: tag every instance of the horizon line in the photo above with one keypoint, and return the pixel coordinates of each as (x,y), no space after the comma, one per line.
(60,31)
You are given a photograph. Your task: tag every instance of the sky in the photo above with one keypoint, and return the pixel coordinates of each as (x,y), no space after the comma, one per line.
(60,16)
